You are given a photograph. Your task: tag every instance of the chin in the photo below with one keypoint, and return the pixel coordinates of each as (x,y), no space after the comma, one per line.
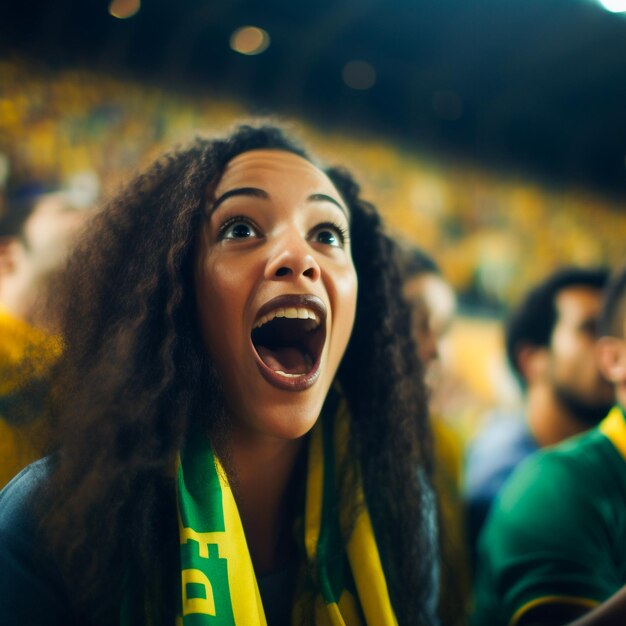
(290,430)
(283,426)
(289,416)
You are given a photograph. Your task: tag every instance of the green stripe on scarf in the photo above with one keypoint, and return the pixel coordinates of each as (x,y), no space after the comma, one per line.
(333,567)
(199,483)
(204,572)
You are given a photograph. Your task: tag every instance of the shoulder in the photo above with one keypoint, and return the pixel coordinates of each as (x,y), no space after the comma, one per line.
(561,474)
(26,571)
(558,494)
(19,534)
(18,496)
(494,454)
(448,449)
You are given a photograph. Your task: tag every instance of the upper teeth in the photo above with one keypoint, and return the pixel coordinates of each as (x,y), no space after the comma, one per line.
(301,313)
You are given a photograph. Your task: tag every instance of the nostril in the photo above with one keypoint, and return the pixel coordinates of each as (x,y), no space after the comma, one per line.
(309,273)
(283,271)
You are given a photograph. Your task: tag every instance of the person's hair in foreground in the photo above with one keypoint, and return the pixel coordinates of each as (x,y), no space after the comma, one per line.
(415,262)
(612,320)
(135,382)
(534,319)
(432,303)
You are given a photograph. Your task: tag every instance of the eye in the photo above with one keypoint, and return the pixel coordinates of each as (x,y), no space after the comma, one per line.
(330,234)
(589,327)
(237,228)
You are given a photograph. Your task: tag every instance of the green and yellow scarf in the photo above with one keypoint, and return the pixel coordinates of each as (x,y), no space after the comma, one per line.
(219,586)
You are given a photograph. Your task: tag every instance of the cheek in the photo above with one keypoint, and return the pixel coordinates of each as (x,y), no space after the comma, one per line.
(573,356)
(563,345)
(425,340)
(572,347)
(346,289)
(216,292)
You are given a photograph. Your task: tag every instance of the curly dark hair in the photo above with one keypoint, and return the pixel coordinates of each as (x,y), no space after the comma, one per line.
(135,379)
(613,311)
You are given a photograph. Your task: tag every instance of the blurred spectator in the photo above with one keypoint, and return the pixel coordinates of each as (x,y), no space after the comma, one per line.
(550,346)
(433,304)
(554,548)
(432,300)
(34,240)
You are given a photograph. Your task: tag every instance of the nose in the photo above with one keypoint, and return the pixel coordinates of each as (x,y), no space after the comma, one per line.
(427,346)
(430,350)
(292,259)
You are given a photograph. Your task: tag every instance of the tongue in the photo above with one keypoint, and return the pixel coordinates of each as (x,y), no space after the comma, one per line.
(287,359)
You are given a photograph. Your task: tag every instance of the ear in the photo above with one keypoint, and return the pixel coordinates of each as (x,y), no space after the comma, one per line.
(8,248)
(533,362)
(611,356)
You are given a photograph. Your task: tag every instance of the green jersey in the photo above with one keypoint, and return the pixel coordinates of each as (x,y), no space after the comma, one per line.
(557,532)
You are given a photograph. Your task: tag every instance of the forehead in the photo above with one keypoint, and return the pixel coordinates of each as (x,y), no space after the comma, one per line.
(421,284)
(53,216)
(274,169)
(578,302)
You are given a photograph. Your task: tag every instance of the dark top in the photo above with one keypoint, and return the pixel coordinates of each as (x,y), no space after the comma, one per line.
(31,589)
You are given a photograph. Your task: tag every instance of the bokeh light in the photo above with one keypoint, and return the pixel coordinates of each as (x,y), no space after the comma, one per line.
(123,9)
(359,75)
(614,6)
(249,40)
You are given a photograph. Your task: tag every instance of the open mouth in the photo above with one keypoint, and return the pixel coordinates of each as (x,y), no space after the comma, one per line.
(288,336)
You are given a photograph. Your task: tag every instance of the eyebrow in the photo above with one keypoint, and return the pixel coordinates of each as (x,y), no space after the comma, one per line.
(239,191)
(323,197)
(255,192)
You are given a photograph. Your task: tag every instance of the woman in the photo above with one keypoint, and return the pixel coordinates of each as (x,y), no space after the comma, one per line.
(226,400)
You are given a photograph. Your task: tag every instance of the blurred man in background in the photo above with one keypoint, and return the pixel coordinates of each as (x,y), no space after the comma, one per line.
(433,306)
(550,343)
(554,549)
(35,238)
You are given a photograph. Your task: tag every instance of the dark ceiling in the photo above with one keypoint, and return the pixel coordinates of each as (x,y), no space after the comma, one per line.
(536,87)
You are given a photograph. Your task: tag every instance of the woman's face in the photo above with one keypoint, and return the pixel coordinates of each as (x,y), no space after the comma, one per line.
(276,289)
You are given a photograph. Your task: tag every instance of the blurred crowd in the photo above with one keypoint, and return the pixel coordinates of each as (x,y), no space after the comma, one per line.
(492,232)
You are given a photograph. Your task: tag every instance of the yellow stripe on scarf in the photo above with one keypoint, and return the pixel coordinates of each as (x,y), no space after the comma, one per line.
(368,573)
(362,550)
(313,506)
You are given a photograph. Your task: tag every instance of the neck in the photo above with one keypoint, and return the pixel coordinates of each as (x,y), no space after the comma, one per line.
(17,301)
(263,468)
(549,421)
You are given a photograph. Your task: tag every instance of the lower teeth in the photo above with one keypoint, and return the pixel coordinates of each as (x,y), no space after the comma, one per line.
(308,364)
(288,375)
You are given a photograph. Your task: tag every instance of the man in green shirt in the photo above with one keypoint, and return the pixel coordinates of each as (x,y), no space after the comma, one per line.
(554,548)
